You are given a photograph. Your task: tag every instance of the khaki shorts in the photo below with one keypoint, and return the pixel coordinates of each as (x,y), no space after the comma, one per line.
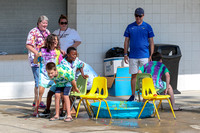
(135,64)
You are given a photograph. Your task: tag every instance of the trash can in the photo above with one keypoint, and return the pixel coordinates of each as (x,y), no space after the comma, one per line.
(171,56)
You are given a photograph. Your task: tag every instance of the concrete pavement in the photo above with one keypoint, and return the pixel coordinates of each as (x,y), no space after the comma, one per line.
(15,116)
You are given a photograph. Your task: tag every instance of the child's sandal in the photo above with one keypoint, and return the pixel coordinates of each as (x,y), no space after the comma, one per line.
(54,118)
(68,119)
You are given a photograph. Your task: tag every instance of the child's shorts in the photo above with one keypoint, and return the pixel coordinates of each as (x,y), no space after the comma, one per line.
(163,88)
(53,88)
(66,90)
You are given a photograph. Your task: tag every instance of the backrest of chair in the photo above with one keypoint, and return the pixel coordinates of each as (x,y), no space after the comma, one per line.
(139,78)
(148,88)
(99,85)
(82,84)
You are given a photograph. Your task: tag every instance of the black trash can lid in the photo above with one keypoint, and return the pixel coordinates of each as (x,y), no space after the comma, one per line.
(115,52)
(168,50)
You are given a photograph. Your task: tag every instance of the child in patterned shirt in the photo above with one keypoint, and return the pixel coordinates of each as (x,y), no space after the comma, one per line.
(75,64)
(70,59)
(156,68)
(49,53)
(62,74)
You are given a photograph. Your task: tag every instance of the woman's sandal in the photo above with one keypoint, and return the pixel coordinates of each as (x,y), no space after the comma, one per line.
(68,119)
(54,118)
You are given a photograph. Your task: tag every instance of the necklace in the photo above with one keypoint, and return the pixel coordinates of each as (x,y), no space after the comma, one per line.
(60,36)
(41,34)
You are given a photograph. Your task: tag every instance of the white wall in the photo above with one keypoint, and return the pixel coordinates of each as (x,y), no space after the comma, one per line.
(101,24)
(16,79)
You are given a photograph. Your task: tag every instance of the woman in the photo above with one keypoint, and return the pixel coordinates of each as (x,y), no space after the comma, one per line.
(68,37)
(34,42)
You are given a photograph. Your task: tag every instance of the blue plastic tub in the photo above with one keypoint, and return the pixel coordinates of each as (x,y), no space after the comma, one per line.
(123,109)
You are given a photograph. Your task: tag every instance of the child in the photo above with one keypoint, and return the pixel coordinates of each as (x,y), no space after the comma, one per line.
(62,74)
(88,70)
(49,53)
(156,68)
(70,59)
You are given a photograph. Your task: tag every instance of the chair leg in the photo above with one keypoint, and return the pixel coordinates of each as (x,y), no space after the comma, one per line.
(160,103)
(139,96)
(70,98)
(87,102)
(73,103)
(91,109)
(86,109)
(75,98)
(171,108)
(156,109)
(78,107)
(162,107)
(143,108)
(88,106)
(98,108)
(107,107)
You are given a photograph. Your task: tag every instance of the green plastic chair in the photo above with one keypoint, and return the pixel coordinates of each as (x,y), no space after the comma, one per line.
(82,86)
(138,86)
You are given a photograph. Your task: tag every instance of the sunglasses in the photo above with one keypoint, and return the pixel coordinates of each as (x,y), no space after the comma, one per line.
(138,15)
(63,23)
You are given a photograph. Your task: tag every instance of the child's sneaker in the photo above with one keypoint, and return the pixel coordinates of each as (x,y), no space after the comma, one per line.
(45,113)
(42,105)
(62,115)
(33,104)
(132,97)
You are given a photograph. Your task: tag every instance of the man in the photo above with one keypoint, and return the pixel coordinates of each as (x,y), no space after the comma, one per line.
(139,36)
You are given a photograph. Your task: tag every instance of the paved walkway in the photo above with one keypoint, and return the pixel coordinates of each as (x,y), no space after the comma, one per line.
(15,116)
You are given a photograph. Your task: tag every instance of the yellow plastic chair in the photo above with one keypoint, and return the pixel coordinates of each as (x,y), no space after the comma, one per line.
(98,92)
(138,86)
(149,93)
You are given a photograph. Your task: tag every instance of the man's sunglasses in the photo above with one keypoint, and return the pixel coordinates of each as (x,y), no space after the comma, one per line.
(138,15)
(63,23)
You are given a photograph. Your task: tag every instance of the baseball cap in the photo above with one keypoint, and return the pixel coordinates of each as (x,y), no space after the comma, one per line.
(139,11)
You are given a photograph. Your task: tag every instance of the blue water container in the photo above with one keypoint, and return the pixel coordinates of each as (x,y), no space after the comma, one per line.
(123,109)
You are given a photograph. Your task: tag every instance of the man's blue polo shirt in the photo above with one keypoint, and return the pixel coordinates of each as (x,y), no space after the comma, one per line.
(139,43)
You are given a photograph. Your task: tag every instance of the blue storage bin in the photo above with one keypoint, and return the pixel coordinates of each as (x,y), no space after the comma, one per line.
(122,83)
